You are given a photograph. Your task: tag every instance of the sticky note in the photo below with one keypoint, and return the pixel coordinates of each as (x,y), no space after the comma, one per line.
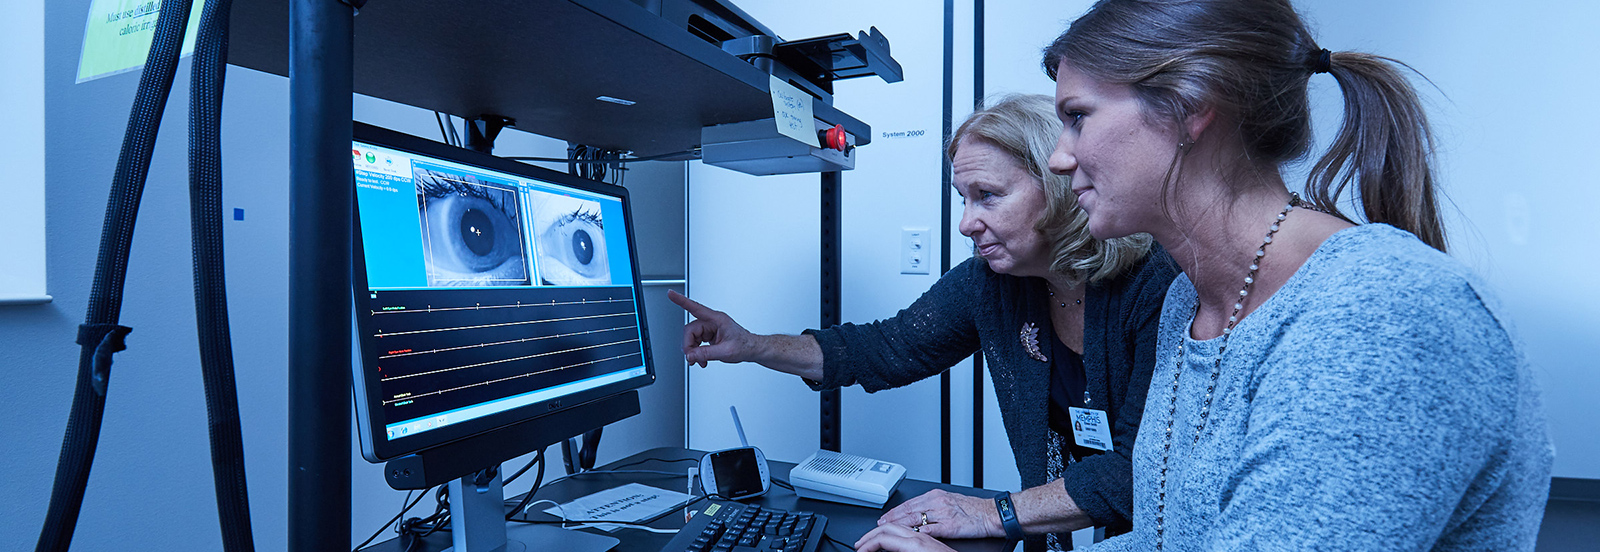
(118,35)
(791,108)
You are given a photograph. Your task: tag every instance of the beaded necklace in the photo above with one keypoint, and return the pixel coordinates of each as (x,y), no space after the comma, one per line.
(1216,372)
(1052,292)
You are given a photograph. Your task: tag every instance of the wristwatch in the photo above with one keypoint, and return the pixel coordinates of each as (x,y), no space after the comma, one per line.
(1008,516)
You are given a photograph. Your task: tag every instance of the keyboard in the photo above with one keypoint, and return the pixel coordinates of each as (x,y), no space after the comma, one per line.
(734,527)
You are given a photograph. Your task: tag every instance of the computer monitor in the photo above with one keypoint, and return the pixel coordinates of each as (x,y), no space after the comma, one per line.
(498,309)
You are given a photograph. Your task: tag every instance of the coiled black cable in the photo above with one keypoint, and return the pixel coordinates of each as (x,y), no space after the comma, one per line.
(100,334)
(210,283)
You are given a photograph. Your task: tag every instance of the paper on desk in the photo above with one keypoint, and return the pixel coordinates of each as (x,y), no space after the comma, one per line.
(629,503)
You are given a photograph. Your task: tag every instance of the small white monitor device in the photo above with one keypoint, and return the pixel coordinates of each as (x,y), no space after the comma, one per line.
(846,478)
(736,473)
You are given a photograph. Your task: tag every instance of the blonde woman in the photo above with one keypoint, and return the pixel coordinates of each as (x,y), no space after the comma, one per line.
(1064,321)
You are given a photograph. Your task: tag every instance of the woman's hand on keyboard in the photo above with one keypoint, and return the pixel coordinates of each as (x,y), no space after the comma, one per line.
(947,515)
(893,537)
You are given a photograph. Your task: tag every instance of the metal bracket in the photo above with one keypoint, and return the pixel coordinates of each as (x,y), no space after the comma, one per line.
(482,130)
(839,57)
(814,63)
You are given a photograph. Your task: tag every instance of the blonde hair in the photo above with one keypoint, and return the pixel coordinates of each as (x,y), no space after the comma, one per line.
(1025,127)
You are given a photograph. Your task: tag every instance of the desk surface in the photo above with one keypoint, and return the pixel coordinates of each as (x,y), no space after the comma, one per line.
(845,523)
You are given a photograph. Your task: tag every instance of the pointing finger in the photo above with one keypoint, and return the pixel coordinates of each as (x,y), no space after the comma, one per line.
(696,309)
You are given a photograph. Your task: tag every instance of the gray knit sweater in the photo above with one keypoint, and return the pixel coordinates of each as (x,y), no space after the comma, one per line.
(1373,403)
(972,306)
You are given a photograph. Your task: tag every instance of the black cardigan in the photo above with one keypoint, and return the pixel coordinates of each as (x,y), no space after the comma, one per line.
(971,307)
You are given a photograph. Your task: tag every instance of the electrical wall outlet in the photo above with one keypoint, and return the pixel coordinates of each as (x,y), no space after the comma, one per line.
(914,249)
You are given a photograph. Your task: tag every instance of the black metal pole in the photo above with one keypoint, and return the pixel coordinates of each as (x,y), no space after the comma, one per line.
(977,359)
(321,200)
(945,422)
(831,286)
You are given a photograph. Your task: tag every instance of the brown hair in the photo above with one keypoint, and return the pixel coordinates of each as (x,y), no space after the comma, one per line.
(1025,127)
(1250,61)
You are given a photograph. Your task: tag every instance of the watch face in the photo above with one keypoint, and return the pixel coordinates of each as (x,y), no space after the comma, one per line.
(737,472)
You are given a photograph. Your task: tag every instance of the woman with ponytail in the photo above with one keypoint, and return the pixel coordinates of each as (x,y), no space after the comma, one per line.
(1324,380)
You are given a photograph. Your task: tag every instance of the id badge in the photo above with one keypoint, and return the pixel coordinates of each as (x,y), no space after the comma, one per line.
(1090,428)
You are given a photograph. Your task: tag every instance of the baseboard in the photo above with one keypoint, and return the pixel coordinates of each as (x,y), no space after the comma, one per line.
(1575,488)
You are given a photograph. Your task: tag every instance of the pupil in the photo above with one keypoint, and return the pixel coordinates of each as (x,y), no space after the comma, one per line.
(476,232)
(583,246)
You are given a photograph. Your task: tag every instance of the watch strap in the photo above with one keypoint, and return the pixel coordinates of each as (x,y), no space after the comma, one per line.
(1008,516)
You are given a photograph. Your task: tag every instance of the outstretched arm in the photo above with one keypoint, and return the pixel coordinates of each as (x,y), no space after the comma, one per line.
(715,336)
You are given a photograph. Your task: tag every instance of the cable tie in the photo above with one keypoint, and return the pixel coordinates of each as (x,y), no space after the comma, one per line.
(107,339)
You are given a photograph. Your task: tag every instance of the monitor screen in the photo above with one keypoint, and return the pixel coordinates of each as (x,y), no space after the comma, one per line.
(488,292)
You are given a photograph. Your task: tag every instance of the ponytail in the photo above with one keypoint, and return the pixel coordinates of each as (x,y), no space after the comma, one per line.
(1385,145)
(1250,60)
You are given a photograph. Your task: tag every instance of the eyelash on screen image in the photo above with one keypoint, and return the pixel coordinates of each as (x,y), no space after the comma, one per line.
(581,215)
(437,186)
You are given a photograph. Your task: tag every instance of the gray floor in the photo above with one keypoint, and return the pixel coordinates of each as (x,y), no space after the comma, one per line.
(1570,526)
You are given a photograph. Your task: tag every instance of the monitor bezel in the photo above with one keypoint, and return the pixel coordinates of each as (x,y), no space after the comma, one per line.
(375,445)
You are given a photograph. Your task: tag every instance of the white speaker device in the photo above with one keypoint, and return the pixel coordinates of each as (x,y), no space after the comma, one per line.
(846,478)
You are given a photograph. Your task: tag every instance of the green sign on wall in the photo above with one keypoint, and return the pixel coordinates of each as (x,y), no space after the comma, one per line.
(118,35)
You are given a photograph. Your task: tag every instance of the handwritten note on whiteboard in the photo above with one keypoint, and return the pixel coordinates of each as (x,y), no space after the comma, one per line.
(791,108)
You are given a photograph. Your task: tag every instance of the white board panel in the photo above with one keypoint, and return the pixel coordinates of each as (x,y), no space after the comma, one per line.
(22,260)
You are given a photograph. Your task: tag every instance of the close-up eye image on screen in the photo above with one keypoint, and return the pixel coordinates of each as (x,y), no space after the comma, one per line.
(570,238)
(471,230)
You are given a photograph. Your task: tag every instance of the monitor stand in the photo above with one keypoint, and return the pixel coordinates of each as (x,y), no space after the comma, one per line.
(478,523)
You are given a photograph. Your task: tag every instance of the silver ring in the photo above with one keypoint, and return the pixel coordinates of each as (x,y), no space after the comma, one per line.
(924,520)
